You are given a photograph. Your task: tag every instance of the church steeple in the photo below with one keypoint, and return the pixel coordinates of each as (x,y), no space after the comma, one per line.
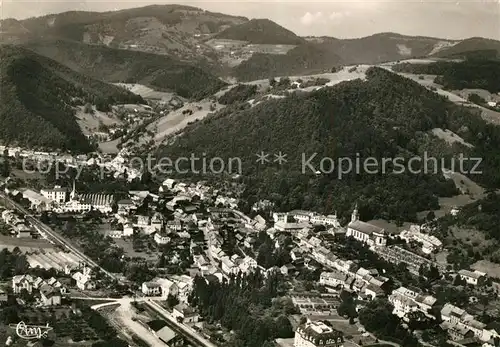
(73,192)
(355,214)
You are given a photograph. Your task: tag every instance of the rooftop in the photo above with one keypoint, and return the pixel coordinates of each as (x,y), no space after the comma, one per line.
(319,333)
(365,228)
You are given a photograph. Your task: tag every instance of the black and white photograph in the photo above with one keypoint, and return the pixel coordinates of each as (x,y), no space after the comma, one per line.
(224,173)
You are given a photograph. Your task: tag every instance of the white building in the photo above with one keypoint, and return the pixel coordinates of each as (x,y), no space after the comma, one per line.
(128,229)
(316,334)
(471,277)
(290,227)
(81,203)
(406,300)
(50,296)
(157,221)
(56,194)
(151,288)
(333,278)
(186,313)
(247,264)
(162,238)
(307,217)
(280,217)
(21,282)
(429,243)
(83,279)
(168,287)
(228,266)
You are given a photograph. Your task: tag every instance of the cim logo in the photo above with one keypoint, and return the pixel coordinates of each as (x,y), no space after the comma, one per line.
(31,332)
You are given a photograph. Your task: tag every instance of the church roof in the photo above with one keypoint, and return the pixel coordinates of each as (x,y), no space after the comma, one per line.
(365,228)
(97,199)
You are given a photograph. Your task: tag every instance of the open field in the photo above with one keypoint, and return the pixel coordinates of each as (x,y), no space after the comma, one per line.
(146,92)
(450,137)
(491,269)
(89,123)
(130,252)
(176,120)
(109,147)
(471,192)
(358,71)
(471,237)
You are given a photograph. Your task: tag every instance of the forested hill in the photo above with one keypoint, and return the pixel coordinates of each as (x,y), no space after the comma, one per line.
(304,59)
(472,73)
(261,31)
(385,116)
(38,96)
(472,47)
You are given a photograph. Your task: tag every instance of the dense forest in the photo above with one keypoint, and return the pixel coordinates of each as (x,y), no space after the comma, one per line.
(306,58)
(240,93)
(387,116)
(38,98)
(471,73)
(160,72)
(249,305)
(261,31)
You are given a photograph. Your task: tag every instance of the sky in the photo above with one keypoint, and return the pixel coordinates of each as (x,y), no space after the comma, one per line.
(342,19)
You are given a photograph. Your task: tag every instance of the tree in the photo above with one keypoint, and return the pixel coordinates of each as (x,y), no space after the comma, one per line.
(172,301)
(458,281)
(476,99)
(88,108)
(5,165)
(284,328)
(430,216)
(102,105)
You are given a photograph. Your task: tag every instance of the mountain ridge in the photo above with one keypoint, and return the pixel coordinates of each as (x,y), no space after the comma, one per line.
(115,65)
(261,31)
(186,33)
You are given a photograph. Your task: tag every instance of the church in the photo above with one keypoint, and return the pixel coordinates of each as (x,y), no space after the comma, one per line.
(365,232)
(81,203)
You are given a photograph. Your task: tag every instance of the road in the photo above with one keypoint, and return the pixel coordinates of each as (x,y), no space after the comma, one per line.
(49,233)
(213,261)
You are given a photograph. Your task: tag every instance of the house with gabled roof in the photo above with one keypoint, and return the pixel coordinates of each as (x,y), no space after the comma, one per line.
(21,282)
(50,296)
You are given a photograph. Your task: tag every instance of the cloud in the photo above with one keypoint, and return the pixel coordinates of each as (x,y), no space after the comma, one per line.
(338,15)
(309,18)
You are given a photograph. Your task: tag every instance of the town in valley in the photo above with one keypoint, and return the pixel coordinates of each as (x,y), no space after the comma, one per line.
(101,247)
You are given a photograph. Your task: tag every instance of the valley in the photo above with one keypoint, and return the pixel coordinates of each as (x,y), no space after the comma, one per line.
(362,208)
